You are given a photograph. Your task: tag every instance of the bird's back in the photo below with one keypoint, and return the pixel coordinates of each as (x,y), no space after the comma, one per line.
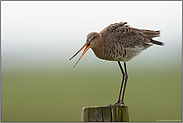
(122,42)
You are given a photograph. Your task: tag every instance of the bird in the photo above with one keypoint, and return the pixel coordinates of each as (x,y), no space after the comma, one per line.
(119,42)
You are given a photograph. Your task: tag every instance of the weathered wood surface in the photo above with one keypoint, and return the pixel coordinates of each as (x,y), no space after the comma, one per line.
(105,114)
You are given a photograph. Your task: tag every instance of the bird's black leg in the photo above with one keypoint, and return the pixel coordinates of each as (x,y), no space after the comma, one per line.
(126,77)
(123,76)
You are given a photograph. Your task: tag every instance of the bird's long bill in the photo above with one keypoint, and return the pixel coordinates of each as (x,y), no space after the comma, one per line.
(87,46)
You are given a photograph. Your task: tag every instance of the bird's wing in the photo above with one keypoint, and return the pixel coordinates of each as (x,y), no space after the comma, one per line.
(128,36)
(109,29)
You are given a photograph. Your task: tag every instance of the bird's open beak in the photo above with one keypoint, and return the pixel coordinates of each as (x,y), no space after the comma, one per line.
(87,46)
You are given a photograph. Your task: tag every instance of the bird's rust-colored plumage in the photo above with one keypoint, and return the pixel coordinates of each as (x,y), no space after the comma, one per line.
(119,42)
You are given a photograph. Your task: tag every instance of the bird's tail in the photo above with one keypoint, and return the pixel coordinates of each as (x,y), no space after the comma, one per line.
(151,34)
(156,42)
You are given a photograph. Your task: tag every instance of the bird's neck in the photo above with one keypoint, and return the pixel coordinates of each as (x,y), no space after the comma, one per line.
(99,49)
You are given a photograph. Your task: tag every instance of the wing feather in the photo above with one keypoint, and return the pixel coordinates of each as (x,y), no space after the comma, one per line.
(128,36)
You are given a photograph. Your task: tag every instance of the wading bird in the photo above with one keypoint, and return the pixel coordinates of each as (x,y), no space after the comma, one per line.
(119,42)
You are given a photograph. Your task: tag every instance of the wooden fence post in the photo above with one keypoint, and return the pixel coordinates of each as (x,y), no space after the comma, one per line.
(108,113)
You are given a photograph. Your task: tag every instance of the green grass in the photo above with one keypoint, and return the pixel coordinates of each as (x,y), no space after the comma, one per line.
(58,94)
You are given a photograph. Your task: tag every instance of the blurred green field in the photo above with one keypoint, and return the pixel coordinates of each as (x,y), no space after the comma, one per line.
(38,94)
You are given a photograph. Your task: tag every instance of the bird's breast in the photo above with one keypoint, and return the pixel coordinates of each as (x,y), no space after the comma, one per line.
(117,52)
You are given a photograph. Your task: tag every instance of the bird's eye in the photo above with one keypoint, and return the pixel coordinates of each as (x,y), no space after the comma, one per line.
(94,37)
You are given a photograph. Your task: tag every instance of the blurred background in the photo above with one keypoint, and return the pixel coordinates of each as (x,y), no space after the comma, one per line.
(39,83)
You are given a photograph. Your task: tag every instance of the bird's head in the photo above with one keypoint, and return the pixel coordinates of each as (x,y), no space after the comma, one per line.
(92,41)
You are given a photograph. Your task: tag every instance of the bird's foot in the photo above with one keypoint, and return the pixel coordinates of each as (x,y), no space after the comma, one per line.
(118,103)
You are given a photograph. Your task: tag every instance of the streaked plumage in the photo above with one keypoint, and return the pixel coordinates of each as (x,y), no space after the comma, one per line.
(122,42)
(119,42)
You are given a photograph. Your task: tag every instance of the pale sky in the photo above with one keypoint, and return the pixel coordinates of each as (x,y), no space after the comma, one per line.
(38,32)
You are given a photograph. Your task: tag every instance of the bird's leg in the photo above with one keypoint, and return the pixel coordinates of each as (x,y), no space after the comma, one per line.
(126,77)
(123,76)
